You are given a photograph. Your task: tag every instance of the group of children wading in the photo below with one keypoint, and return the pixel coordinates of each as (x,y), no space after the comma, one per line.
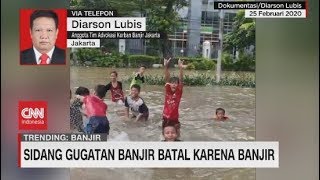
(93,107)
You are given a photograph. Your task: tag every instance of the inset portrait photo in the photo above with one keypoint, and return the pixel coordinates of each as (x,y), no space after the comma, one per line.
(43,37)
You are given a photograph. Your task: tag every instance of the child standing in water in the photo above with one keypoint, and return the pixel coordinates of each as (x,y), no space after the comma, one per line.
(134,102)
(170,133)
(173,94)
(220,115)
(76,121)
(115,88)
(139,77)
(96,111)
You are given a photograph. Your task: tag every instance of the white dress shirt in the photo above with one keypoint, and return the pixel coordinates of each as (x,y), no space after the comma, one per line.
(38,54)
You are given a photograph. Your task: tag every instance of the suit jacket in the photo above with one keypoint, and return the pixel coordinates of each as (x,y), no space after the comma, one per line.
(28,57)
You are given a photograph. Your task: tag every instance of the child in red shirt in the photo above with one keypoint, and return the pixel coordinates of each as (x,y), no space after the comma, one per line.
(173,94)
(220,115)
(115,88)
(96,111)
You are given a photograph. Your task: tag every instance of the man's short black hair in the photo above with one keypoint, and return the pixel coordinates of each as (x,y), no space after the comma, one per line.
(136,86)
(82,91)
(100,91)
(220,109)
(44,13)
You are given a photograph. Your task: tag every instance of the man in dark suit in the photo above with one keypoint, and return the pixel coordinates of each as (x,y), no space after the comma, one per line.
(44,32)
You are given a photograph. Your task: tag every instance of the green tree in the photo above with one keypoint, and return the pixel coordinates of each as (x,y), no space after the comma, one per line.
(123,7)
(162,16)
(73,3)
(242,35)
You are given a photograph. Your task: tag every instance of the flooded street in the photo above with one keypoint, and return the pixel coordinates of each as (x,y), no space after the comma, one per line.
(197,109)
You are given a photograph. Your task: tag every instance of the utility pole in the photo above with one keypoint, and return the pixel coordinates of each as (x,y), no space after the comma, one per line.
(221,24)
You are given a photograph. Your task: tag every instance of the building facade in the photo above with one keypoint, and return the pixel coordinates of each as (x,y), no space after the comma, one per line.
(199,23)
(188,39)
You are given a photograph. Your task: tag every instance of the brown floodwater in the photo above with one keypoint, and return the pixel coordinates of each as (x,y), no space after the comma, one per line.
(197,109)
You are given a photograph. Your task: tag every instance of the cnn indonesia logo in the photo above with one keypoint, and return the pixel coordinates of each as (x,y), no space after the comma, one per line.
(32,115)
(29,113)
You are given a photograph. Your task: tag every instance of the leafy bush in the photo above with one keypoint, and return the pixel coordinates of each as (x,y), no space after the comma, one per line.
(97,58)
(209,64)
(138,60)
(204,79)
(198,80)
(191,66)
(199,65)
(88,54)
(194,63)
(246,62)
(202,65)
(125,60)
(114,59)
(187,60)
(107,61)
(227,62)
(158,60)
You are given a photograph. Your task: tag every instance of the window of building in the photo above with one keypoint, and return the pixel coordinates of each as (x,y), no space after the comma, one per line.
(216,16)
(204,2)
(232,16)
(203,17)
(207,17)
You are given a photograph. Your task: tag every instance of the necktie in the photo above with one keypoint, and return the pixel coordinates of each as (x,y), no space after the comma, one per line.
(43,59)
